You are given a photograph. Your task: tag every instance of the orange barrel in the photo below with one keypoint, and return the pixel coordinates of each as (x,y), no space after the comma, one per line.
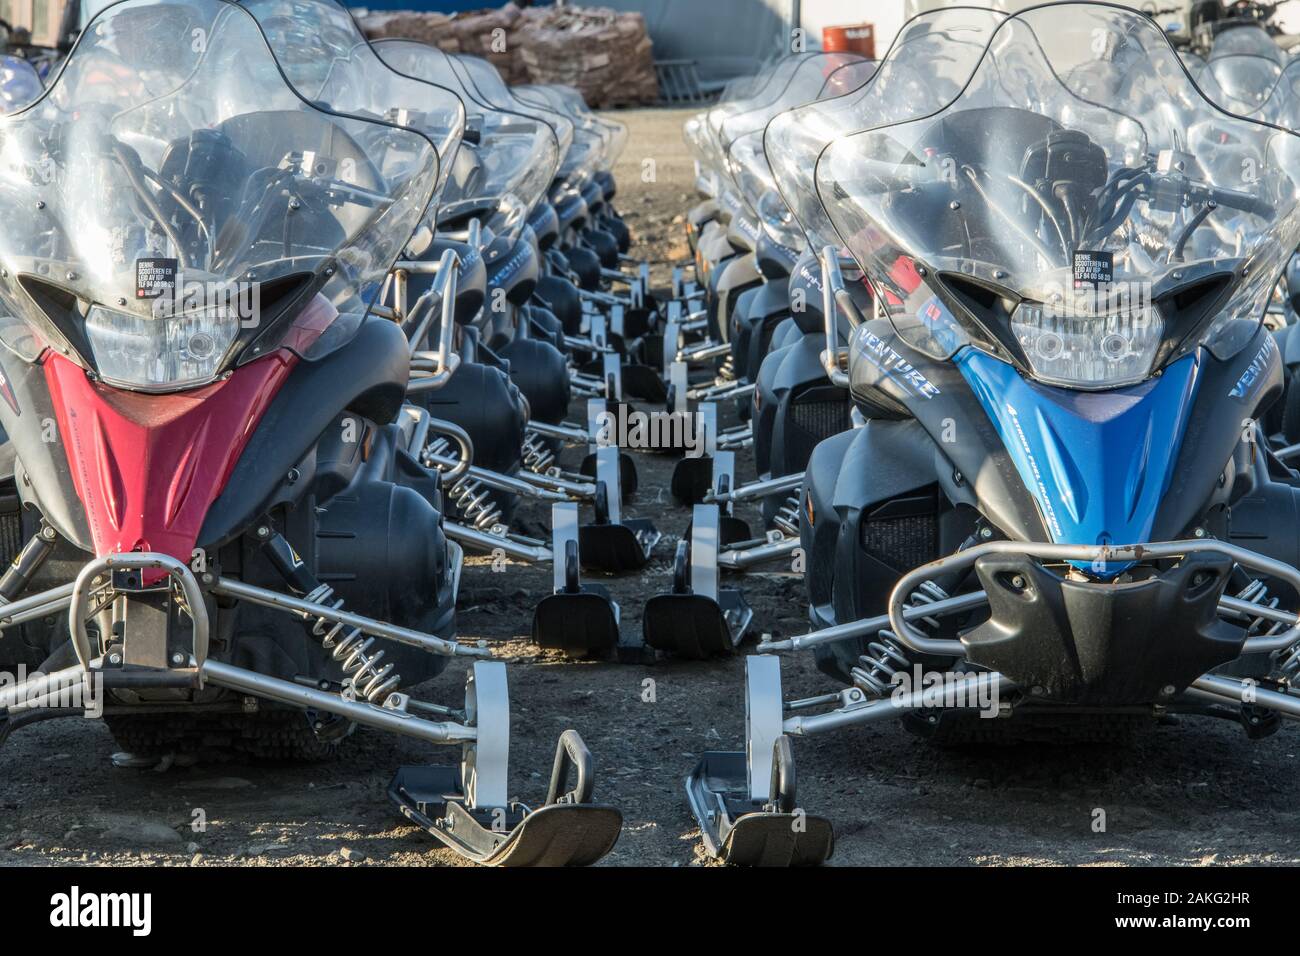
(856,38)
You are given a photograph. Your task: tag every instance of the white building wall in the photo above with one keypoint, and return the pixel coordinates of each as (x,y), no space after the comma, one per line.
(728,36)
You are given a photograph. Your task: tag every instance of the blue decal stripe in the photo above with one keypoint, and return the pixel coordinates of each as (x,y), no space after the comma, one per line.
(1095,463)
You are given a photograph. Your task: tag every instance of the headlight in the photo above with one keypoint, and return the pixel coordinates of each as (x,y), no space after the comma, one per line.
(778,222)
(1088,351)
(578,179)
(160,353)
(509,217)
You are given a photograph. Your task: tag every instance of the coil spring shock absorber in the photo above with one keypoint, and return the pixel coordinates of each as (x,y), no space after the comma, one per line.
(787,516)
(886,656)
(537,455)
(1256,592)
(472,499)
(475,503)
(875,672)
(365,676)
(1286,665)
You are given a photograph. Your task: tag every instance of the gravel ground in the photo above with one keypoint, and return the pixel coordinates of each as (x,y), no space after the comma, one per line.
(1196,793)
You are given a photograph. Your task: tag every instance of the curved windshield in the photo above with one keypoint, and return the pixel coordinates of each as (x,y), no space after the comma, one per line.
(616,132)
(482,77)
(1239,82)
(746,161)
(748,93)
(1089,240)
(802,84)
(847,77)
(698,133)
(569,101)
(741,134)
(88,10)
(742,86)
(591,138)
(1246,38)
(931,59)
(175,207)
(693,135)
(1283,104)
(505,169)
(753,92)
(328,59)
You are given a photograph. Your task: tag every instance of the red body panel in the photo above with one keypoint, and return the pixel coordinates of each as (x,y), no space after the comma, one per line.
(148,467)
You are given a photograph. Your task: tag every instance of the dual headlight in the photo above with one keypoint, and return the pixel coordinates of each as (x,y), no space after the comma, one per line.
(1088,351)
(160,353)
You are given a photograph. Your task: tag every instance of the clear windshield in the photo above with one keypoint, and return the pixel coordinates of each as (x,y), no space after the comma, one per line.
(741,135)
(482,76)
(505,170)
(1247,38)
(847,77)
(87,11)
(155,176)
(614,133)
(746,162)
(325,55)
(19,84)
(701,136)
(748,93)
(802,85)
(1239,82)
(741,86)
(1283,104)
(1073,211)
(569,100)
(591,139)
(928,63)
(693,135)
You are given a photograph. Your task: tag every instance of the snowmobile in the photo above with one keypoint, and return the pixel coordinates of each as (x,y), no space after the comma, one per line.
(796,386)
(220,529)
(504,450)
(1243,26)
(1255,85)
(590,252)
(1058,517)
(759,309)
(800,397)
(469,402)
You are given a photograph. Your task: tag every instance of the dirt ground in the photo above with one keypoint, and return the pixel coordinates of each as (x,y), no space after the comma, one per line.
(1196,793)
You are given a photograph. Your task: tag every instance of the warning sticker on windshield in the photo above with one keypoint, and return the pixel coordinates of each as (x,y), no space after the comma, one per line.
(153,277)
(1093,268)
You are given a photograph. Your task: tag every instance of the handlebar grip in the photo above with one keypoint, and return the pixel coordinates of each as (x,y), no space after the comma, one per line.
(1244,202)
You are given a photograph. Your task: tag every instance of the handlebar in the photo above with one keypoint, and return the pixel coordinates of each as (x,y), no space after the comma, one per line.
(835,296)
(1235,199)
(442,363)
